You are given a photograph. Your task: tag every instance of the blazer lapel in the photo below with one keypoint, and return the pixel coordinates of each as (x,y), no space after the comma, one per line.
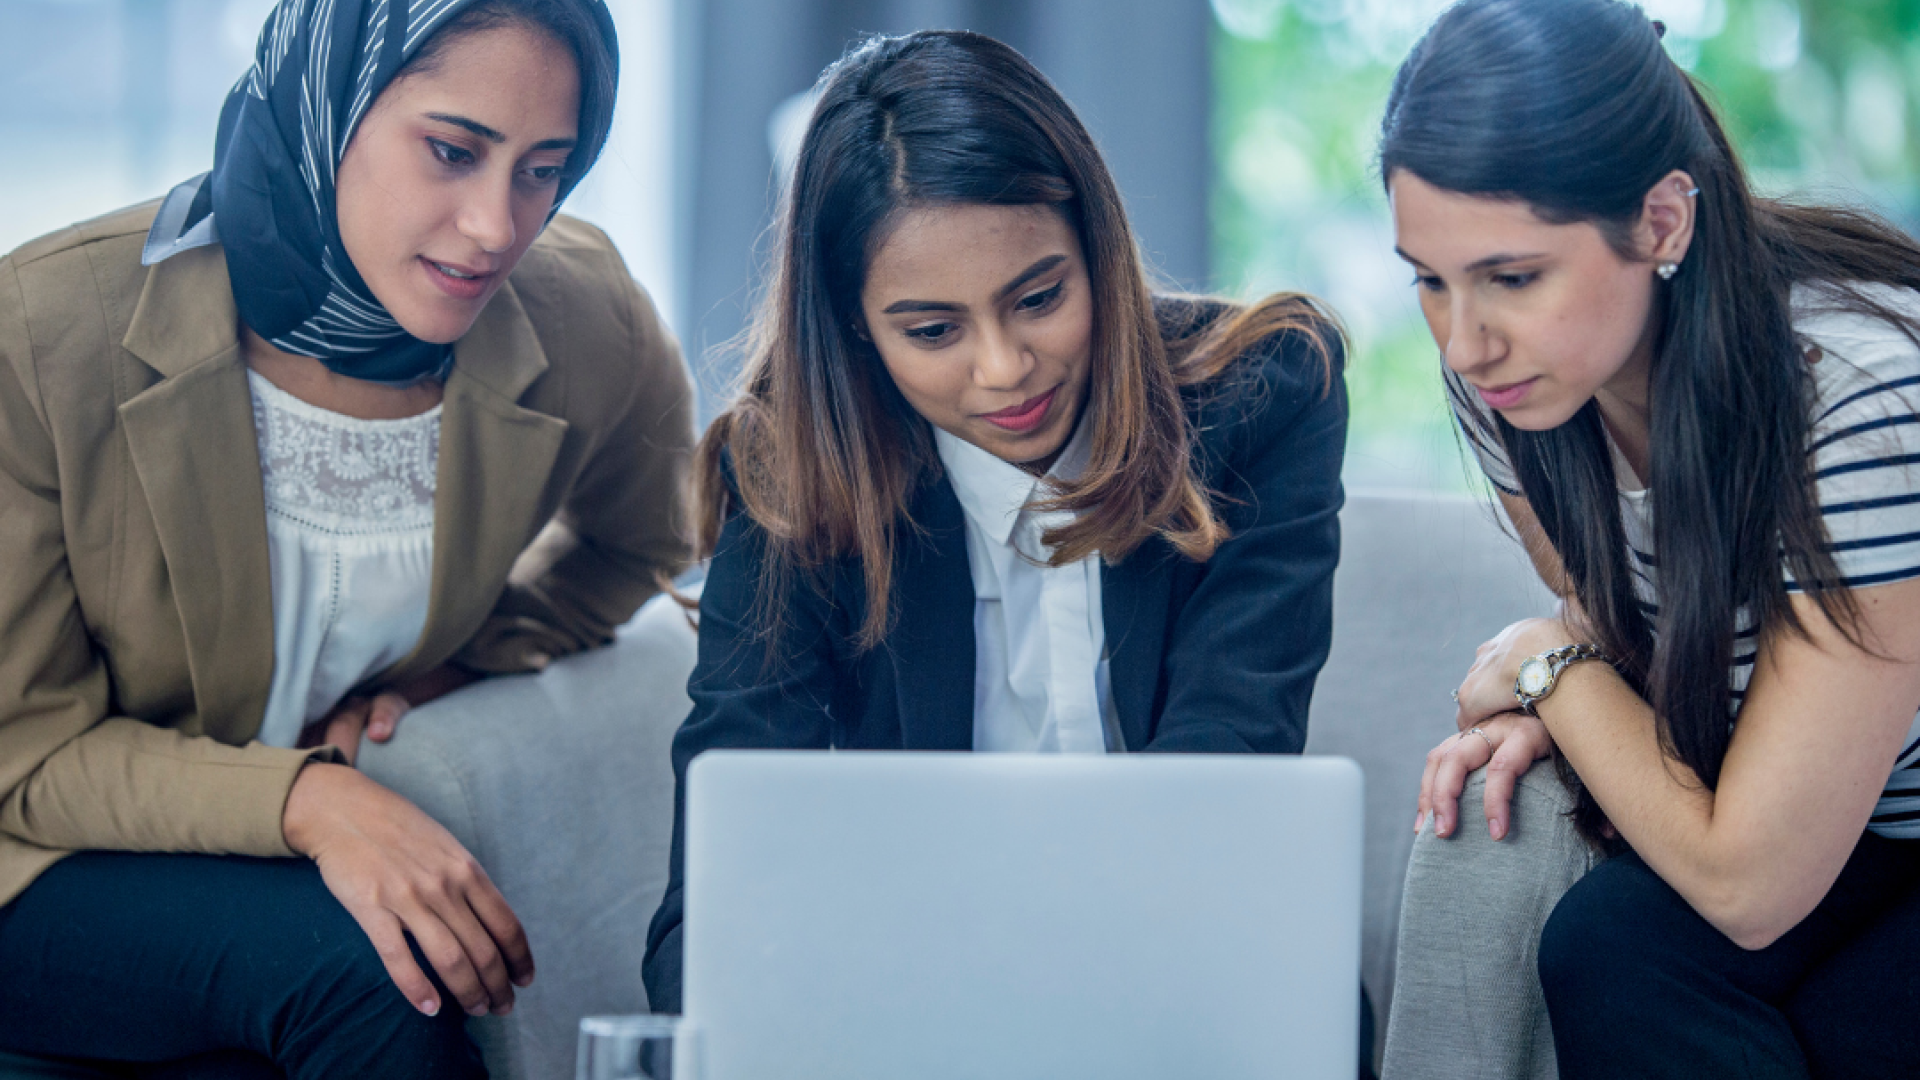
(932,639)
(1133,600)
(195,453)
(495,459)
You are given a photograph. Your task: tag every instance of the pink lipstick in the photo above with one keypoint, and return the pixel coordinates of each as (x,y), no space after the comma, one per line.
(1506,397)
(1025,416)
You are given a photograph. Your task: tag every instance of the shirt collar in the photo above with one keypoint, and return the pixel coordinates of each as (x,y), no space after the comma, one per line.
(993,491)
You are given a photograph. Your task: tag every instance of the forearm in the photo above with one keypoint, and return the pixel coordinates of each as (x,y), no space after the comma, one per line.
(1732,863)
(125,785)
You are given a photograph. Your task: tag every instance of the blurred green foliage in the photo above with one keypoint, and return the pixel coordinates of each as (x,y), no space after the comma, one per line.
(1820,98)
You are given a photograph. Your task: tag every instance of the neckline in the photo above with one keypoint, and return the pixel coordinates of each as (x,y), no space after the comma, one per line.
(994,492)
(1625,480)
(279,399)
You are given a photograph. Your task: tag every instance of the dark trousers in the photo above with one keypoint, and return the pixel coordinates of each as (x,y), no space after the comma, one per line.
(196,965)
(1638,984)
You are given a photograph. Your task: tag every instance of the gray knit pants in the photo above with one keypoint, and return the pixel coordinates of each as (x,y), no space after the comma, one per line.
(1466,993)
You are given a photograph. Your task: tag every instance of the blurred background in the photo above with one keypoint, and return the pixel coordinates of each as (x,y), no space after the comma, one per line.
(1241,132)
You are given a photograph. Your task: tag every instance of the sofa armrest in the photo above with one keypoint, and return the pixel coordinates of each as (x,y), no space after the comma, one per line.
(560,785)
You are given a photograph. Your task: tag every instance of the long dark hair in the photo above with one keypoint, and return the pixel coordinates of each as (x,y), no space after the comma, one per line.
(1574,108)
(826,453)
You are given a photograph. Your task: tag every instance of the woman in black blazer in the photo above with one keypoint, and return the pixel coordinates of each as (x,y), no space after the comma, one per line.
(956,275)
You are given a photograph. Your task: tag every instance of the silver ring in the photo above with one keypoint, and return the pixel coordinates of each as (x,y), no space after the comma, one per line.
(1483,738)
(1456,696)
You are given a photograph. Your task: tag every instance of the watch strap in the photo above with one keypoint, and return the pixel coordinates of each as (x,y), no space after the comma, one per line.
(1556,660)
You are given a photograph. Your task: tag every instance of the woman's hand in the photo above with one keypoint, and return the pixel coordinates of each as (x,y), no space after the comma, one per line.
(397,871)
(375,717)
(1487,690)
(1506,744)
(378,717)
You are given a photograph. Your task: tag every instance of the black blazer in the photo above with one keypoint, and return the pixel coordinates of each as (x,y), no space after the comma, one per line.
(1213,657)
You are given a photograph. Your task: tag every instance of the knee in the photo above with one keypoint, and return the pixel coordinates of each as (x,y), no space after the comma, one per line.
(347,1002)
(1595,942)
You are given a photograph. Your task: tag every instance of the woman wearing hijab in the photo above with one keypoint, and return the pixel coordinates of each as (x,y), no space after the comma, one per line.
(267,456)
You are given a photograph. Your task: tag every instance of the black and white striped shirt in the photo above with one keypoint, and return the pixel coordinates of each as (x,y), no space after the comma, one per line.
(1865,443)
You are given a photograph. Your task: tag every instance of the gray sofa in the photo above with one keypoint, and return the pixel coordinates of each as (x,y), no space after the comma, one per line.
(560,784)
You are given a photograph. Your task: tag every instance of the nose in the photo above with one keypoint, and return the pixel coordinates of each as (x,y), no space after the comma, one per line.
(1002,362)
(1467,345)
(486,216)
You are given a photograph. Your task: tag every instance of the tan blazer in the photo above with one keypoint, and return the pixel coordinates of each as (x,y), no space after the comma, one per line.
(136,621)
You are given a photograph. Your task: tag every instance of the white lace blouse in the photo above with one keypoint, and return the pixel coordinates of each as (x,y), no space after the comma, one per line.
(350,540)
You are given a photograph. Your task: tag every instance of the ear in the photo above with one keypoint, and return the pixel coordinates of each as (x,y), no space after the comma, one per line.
(1665,230)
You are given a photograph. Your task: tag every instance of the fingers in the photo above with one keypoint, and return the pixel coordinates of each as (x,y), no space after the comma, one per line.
(474,941)
(1503,772)
(390,942)
(1446,776)
(399,872)
(1426,785)
(1521,741)
(446,948)
(345,726)
(383,715)
(503,926)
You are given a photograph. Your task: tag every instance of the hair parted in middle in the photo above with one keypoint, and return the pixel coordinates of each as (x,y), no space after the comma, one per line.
(826,454)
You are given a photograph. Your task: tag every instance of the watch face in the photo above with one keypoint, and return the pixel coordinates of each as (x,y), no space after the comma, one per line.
(1535,676)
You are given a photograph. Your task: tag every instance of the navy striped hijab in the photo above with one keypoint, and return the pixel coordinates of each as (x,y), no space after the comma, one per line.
(269,200)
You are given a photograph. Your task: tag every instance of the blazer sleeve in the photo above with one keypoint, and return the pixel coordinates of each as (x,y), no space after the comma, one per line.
(72,776)
(621,534)
(1243,652)
(750,690)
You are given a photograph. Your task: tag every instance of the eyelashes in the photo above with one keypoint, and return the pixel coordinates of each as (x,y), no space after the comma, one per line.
(1042,300)
(449,154)
(1034,304)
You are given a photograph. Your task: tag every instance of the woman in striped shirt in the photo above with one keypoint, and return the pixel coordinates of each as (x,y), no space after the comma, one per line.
(1699,409)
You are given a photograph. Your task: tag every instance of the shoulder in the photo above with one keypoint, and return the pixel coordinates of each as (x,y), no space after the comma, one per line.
(1285,366)
(594,321)
(1865,363)
(1864,439)
(124,226)
(572,264)
(67,299)
(577,289)
(1855,319)
(94,261)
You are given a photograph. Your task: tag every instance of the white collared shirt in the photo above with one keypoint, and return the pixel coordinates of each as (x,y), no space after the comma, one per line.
(1040,667)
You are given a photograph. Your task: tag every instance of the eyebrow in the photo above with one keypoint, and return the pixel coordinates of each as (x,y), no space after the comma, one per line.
(900,307)
(1497,259)
(493,136)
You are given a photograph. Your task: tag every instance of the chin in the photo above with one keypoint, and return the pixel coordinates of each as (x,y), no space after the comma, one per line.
(439,327)
(1539,417)
(1026,452)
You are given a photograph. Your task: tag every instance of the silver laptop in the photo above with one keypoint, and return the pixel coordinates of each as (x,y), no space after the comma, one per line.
(883,916)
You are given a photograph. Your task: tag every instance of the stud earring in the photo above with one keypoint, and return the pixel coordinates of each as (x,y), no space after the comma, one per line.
(1667,270)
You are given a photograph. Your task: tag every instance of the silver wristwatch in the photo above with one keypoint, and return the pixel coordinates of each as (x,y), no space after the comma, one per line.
(1539,673)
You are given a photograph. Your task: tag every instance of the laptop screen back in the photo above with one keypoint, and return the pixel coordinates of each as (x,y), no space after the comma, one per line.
(885,915)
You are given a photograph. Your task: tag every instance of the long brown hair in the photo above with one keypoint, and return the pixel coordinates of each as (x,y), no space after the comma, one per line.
(826,454)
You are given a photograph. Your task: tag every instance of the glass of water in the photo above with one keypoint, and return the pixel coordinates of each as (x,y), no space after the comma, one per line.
(628,1048)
